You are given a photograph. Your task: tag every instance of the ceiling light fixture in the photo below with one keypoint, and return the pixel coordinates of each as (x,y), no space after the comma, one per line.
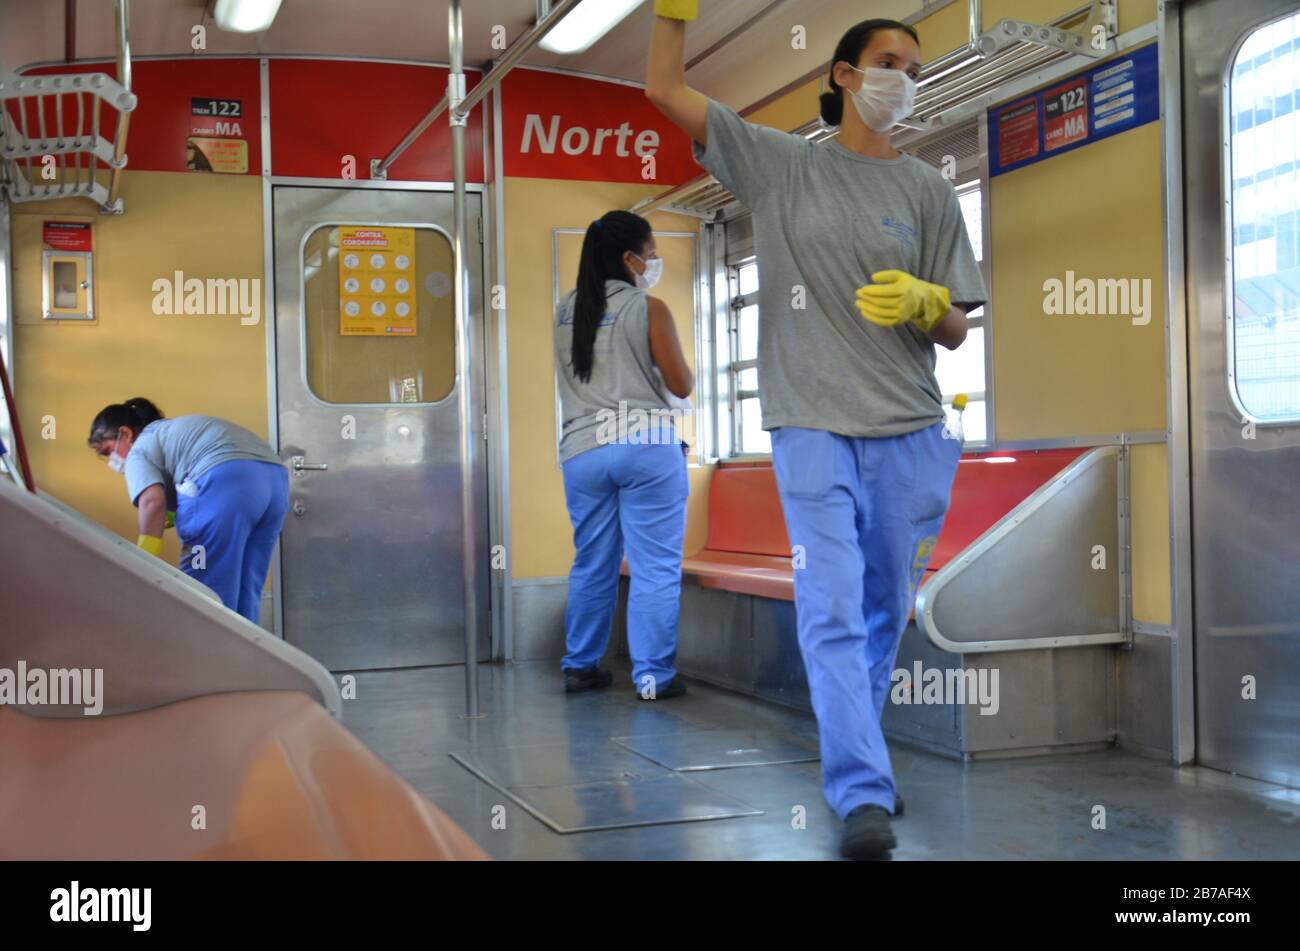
(245,16)
(585,24)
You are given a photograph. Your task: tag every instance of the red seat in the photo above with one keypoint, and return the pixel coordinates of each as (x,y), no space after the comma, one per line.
(748,550)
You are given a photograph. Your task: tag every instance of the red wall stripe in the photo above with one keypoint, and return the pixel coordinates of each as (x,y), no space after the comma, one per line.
(322,110)
(560,126)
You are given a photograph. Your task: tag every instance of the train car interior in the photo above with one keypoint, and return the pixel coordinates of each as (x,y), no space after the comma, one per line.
(975,325)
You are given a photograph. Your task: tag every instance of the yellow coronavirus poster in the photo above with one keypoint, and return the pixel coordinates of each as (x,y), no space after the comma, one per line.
(376,280)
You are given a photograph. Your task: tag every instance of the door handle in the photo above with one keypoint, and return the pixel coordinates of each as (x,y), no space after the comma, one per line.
(300,464)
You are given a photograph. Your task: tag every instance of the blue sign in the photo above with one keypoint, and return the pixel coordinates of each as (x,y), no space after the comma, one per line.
(1120,94)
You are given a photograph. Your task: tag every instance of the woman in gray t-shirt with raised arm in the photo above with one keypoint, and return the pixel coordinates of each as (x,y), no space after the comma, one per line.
(227,487)
(619,363)
(864,266)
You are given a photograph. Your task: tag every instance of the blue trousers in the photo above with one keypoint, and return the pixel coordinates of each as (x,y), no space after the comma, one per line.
(633,495)
(229,529)
(862,515)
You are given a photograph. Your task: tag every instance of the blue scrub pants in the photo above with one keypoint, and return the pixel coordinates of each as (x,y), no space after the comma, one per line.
(633,495)
(863,513)
(236,517)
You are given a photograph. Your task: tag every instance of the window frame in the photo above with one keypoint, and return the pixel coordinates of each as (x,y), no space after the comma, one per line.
(304,376)
(976,178)
(736,302)
(1231,377)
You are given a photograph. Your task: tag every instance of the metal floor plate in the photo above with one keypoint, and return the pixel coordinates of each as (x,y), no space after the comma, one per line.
(720,749)
(597,786)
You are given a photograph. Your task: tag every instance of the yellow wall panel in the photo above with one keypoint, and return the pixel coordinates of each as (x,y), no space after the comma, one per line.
(1095,212)
(206,226)
(791,110)
(1149,478)
(542,539)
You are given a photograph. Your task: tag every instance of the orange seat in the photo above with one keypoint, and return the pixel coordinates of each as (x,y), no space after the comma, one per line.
(274,775)
(748,550)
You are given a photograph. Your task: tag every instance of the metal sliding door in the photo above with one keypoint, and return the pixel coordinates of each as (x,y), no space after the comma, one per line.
(372,562)
(1241,100)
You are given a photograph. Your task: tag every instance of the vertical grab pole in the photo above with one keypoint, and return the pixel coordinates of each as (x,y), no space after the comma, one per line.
(469,552)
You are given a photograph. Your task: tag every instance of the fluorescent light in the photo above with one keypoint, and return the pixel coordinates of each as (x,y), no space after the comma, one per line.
(998,459)
(585,24)
(245,16)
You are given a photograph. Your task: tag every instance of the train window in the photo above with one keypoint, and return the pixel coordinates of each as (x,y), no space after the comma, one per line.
(1262,156)
(748,436)
(965,369)
(365,342)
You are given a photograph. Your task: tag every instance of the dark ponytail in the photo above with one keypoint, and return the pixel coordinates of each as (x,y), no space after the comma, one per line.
(850,50)
(135,414)
(608,239)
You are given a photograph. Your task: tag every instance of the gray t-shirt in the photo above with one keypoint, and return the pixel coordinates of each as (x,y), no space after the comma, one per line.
(171,452)
(825,219)
(625,399)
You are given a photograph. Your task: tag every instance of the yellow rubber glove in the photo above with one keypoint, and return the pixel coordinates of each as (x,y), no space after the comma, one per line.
(150,543)
(897,297)
(677,9)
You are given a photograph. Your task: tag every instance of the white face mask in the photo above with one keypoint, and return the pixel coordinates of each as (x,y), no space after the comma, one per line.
(654,269)
(115,462)
(885,98)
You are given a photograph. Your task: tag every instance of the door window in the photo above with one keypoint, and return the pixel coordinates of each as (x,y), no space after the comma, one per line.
(379,314)
(1264,270)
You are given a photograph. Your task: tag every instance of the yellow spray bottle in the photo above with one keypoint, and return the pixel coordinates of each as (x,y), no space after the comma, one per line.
(954,429)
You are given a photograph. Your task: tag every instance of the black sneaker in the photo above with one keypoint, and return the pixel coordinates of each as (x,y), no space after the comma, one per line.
(867,834)
(593,678)
(674,688)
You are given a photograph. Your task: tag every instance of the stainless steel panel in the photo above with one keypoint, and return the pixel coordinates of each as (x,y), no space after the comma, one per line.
(720,749)
(934,725)
(1045,699)
(373,568)
(714,641)
(1246,549)
(157,635)
(1182,712)
(595,786)
(1144,695)
(1030,582)
(539,605)
(779,673)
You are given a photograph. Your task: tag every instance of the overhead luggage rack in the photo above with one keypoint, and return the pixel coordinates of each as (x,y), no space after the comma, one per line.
(51,131)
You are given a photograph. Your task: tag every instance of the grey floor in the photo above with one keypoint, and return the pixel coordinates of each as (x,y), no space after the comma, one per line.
(1037,808)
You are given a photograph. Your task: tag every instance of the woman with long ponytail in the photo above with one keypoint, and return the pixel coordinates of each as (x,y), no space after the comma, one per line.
(619,364)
